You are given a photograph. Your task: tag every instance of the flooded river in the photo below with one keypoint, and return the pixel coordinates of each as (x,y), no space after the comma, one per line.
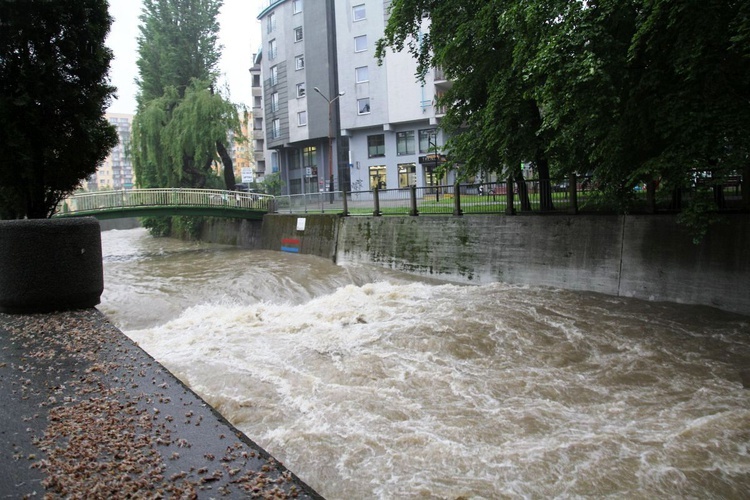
(369,383)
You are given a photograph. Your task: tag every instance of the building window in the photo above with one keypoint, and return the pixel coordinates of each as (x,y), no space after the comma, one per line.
(361,74)
(257,101)
(358,12)
(302,118)
(298,34)
(427,140)
(271,22)
(297,6)
(274,102)
(405,143)
(301,89)
(274,75)
(272,50)
(377,177)
(363,106)
(275,128)
(258,123)
(256,81)
(360,43)
(375,146)
(299,62)
(309,154)
(407,174)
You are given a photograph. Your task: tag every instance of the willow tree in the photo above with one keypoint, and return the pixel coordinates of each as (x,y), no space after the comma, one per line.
(182,121)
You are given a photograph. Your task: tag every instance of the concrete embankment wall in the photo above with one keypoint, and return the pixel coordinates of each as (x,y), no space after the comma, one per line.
(239,232)
(119,224)
(648,256)
(308,234)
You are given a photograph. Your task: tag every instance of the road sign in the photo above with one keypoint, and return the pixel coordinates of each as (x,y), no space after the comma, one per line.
(247,175)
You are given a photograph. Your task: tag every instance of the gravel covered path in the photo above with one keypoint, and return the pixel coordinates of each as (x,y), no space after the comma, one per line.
(85,413)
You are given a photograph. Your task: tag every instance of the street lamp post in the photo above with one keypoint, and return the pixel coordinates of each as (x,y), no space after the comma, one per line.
(330,138)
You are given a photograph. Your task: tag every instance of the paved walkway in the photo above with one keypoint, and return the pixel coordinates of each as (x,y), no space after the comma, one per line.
(87,413)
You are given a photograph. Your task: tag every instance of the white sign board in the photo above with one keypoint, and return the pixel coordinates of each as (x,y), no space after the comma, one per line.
(301,223)
(247,175)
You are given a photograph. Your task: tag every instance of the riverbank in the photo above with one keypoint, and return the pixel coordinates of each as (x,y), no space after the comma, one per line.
(88,411)
(649,257)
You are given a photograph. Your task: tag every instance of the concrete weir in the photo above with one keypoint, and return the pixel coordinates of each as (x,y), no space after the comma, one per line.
(88,414)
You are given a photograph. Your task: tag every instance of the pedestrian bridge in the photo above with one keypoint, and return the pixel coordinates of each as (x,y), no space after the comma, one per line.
(166,202)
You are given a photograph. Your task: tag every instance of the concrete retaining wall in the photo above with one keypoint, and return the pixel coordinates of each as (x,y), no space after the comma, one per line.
(286,232)
(660,262)
(648,257)
(119,224)
(239,232)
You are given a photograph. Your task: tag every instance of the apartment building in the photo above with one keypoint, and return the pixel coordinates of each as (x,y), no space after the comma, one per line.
(117,170)
(256,134)
(333,116)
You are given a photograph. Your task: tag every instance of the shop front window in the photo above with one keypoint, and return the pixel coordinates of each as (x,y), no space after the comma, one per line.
(377,177)
(407,175)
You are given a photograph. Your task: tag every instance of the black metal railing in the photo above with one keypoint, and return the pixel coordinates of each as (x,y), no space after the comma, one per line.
(571,195)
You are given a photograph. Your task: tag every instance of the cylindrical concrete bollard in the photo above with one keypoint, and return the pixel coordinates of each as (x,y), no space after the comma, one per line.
(50,265)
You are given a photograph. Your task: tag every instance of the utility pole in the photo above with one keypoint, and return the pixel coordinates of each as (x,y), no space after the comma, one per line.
(330,135)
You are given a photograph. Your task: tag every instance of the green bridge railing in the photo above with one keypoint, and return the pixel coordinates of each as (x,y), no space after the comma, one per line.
(166,201)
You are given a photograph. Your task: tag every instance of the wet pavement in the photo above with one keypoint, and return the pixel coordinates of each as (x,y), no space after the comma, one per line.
(86,413)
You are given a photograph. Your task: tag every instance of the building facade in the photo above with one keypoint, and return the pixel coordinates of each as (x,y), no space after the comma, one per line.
(256,134)
(117,170)
(333,115)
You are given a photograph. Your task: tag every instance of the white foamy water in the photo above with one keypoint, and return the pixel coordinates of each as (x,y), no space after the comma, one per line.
(373,384)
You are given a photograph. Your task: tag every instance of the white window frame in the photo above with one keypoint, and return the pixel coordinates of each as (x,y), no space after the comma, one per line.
(271,23)
(358,77)
(274,75)
(276,128)
(272,49)
(404,140)
(359,10)
(302,118)
(301,90)
(274,102)
(296,6)
(299,62)
(298,35)
(363,106)
(357,44)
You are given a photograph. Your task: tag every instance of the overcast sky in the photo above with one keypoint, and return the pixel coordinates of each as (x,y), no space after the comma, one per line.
(240,36)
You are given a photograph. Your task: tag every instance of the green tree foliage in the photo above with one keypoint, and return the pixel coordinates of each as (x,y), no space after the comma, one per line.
(181,124)
(53,95)
(272,184)
(492,118)
(631,90)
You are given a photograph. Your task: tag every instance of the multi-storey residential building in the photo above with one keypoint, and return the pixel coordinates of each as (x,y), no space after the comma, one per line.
(332,111)
(117,170)
(257,139)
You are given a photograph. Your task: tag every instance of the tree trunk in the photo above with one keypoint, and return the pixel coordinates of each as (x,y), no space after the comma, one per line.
(523,193)
(226,160)
(197,178)
(545,185)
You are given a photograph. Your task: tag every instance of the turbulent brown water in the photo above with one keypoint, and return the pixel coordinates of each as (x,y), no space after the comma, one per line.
(374,384)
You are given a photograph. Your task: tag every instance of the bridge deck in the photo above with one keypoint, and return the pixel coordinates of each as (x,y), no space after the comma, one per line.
(166,202)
